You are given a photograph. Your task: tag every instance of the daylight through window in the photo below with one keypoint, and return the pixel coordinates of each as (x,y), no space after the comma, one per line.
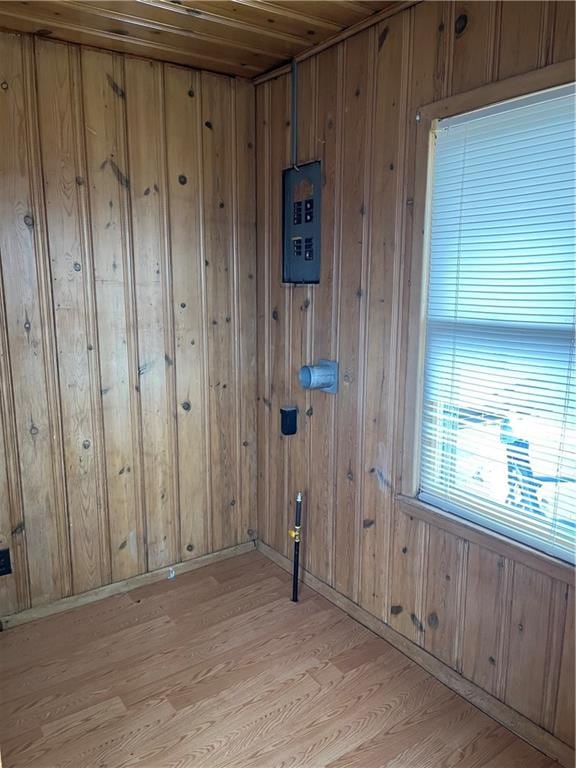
(499,413)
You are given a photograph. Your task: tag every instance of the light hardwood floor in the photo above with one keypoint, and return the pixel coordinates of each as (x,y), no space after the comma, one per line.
(218,669)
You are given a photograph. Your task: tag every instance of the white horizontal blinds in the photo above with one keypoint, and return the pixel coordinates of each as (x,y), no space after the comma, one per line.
(499,417)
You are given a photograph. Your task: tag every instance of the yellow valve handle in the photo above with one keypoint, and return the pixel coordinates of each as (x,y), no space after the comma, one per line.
(294,534)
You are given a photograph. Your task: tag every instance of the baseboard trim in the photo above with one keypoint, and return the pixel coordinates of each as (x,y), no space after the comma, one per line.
(515,722)
(117,588)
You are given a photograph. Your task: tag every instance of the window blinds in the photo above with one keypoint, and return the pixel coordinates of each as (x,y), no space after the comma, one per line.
(499,415)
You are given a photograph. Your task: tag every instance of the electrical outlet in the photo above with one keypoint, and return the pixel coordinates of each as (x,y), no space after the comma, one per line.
(5,565)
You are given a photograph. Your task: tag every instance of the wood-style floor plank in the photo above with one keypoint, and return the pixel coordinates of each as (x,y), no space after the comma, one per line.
(219,669)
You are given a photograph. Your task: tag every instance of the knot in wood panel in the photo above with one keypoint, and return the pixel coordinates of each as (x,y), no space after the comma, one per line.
(115,87)
(382,37)
(433,620)
(417,623)
(461,23)
(121,178)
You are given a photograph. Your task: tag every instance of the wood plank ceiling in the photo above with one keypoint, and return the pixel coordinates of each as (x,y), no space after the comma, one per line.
(236,37)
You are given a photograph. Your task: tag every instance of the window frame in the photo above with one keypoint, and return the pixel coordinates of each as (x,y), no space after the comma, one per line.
(413,343)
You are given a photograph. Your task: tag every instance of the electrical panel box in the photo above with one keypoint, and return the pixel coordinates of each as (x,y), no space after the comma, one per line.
(301,253)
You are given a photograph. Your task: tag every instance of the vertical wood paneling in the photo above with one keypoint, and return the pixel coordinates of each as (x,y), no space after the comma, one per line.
(487,605)
(564,721)
(443,607)
(43,509)
(104,111)
(558,628)
(183,128)
(300,314)
(144,110)
(115,200)
(381,296)
(530,631)
(15,587)
(58,91)
(407,570)
(564,30)
(168,324)
(430,59)
(9,602)
(245,265)
(319,508)
(46,316)
(217,121)
(89,295)
(263,303)
(356,128)
(474,31)
(521,31)
(278,346)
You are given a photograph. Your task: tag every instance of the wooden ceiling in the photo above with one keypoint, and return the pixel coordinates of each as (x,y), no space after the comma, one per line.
(238,37)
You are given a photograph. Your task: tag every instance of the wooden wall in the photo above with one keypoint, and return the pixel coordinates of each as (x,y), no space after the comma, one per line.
(501,617)
(127,317)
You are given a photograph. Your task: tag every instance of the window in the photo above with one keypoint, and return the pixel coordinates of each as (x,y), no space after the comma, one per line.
(498,443)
